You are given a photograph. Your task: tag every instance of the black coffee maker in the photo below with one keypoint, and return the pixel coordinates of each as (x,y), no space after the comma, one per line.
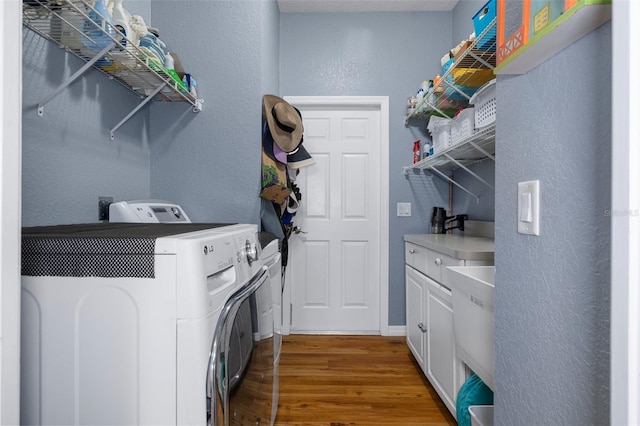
(439,221)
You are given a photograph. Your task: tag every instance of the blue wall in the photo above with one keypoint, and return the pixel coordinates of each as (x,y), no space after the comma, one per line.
(68,159)
(381,54)
(210,162)
(553,290)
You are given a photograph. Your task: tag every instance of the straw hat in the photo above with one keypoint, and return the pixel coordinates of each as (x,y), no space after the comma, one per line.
(285,122)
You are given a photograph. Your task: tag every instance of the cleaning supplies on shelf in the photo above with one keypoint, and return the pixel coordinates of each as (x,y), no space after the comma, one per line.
(169,65)
(190,83)
(98,30)
(416,151)
(427,150)
(120,18)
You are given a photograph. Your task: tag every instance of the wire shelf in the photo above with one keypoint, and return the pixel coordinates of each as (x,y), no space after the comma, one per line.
(471,68)
(80,29)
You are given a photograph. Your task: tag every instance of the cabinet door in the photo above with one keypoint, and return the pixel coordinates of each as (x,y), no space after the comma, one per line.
(444,370)
(416,257)
(416,328)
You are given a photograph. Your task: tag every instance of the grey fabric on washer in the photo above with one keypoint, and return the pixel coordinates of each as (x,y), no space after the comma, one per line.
(270,220)
(97,249)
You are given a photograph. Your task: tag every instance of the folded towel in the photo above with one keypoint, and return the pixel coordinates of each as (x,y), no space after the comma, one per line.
(472,392)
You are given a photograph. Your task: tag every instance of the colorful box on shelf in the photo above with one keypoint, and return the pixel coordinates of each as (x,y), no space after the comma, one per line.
(523,24)
(481,21)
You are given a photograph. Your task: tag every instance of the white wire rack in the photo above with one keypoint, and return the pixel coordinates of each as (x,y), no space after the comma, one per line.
(72,25)
(469,67)
(480,146)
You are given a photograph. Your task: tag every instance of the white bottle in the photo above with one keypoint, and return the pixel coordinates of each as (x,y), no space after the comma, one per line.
(426,150)
(168,61)
(120,18)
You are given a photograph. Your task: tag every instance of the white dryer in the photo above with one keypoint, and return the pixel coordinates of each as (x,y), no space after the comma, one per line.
(119,324)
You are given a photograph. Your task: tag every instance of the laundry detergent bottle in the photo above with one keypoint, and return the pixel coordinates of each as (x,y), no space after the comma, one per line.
(120,17)
(99,32)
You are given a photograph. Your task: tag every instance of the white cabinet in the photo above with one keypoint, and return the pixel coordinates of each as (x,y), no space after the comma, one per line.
(429,316)
(443,368)
(416,318)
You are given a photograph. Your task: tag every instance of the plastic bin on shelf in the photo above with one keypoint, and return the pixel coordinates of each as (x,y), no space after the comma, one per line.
(481,21)
(481,415)
(463,125)
(484,102)
(467,80)
(440,129)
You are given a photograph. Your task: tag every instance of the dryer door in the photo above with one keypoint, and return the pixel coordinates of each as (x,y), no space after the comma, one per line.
(242,376)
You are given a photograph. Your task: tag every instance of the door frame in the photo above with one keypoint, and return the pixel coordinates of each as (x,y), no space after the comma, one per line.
(10,211)
(625,218)
(380,103)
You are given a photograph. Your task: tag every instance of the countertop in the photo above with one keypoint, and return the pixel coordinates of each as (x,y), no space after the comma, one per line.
(458,246)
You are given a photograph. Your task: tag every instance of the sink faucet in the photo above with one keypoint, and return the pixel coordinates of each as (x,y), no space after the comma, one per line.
(459,219)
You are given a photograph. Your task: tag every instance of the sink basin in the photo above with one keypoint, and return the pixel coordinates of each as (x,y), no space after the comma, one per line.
(473,319)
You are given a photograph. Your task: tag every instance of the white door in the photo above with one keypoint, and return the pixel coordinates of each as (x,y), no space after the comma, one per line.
(335,266)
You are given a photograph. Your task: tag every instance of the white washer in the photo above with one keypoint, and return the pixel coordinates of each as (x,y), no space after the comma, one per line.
(118,319)
(272,260)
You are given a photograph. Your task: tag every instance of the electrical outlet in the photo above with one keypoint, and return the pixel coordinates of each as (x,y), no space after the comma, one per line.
(404,209)
(103,207)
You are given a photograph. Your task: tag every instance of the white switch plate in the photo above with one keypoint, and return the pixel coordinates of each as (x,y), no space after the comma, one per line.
(404,209)
(529,207)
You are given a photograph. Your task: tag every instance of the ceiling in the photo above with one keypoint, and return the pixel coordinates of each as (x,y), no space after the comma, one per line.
(366,5)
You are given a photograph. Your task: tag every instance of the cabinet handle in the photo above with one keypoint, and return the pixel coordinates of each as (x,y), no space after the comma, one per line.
(422,327)
(412,251)
(438,261)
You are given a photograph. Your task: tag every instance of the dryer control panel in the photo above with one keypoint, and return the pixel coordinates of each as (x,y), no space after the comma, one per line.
(147,211)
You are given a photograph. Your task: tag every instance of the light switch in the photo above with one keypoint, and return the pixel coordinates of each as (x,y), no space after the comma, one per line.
(525,207)
(529,207)
(404,209)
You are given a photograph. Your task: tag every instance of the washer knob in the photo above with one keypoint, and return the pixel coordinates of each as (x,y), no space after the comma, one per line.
(251,251)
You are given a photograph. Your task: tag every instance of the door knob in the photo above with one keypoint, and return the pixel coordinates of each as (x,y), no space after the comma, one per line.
(297,230)
(422,327)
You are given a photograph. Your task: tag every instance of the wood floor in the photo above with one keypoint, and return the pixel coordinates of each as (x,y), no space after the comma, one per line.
(354,380)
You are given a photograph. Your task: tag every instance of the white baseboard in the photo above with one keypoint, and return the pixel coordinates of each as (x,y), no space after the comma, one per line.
(397,330)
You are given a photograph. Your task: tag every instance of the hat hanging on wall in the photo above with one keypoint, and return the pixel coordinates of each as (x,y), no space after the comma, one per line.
(274,180)
(269,146)
(285,122)
(299,158)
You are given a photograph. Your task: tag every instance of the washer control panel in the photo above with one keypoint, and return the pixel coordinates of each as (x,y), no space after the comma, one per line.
(147,211)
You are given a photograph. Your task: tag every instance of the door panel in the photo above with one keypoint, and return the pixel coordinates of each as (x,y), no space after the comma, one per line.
(335,274)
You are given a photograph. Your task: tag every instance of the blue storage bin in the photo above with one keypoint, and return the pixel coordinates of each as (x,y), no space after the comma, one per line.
(481,21)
